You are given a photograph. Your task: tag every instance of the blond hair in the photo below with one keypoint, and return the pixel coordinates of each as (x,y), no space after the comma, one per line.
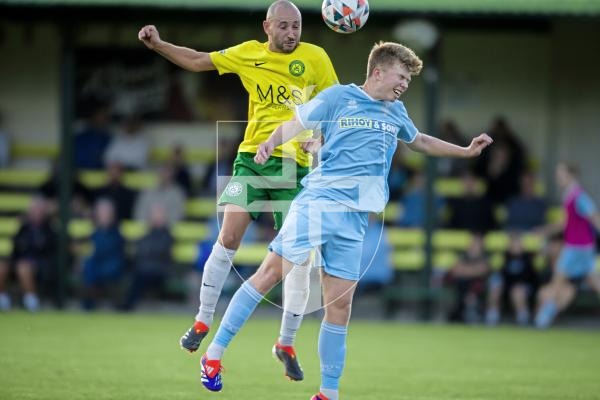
(385,54)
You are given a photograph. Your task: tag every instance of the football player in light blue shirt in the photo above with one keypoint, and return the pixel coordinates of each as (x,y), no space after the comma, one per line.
(361,126)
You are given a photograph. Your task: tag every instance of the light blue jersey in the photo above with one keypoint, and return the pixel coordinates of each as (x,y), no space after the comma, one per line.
(332,211)
(361,136)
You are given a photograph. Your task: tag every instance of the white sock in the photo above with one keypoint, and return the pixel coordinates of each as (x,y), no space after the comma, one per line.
(330,393)
(214,351)
(290,323)
(216,270)
(295,292)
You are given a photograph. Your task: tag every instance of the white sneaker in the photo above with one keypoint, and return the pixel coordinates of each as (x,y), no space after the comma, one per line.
(31,302)
(5,303)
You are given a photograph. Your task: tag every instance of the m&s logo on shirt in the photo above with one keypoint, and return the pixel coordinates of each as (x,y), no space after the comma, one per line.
(355,122)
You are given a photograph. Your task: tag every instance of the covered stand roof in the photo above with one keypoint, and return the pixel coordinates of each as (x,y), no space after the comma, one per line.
(515,7)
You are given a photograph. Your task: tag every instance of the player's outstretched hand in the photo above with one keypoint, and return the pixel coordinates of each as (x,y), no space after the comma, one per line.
(149,36)
(311,145)
(263,152)
(478,144)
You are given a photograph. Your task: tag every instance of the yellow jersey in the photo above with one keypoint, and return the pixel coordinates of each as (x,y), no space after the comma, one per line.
(276,83)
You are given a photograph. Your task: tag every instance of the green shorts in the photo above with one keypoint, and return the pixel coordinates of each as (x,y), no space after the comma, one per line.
(252,185)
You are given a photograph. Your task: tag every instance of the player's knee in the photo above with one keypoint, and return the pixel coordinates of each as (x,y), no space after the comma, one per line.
(230,240)
(339,312)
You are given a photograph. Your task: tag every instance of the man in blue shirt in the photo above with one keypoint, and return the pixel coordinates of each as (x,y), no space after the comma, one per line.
(361,126)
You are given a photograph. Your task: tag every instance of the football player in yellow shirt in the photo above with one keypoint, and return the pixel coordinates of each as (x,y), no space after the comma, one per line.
(277,74)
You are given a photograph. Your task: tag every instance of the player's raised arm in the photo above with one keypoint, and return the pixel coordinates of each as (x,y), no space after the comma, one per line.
(189,59)
(432,146)
(282,134)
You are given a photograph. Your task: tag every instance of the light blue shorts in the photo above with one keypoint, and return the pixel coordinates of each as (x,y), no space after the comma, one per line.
(315,221)
(576,262)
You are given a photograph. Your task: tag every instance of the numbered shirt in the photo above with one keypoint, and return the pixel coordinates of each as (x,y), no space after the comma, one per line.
(361,135)
(276,83)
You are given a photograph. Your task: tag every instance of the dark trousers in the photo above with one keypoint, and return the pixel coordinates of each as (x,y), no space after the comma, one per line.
(142,281)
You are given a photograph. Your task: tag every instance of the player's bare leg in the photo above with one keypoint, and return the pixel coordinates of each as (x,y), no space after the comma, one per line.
(593,280)
(217,267)
(559,294)
(543,294)
(564,295)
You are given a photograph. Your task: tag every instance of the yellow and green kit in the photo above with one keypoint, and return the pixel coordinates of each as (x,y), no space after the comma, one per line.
(276,83)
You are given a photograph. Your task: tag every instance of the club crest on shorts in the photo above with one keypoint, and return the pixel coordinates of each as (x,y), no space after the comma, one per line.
(234,189)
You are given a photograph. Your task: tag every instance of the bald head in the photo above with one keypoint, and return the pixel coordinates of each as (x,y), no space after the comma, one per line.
(282,8)
(283,26)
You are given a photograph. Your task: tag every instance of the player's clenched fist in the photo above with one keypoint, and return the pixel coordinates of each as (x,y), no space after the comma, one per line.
(149,35)
(312,145)
(478,144)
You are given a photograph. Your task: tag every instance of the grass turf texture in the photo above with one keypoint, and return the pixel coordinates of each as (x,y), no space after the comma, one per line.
(108,356)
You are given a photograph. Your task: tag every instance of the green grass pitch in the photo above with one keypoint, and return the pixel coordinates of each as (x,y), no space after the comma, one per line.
(111,356)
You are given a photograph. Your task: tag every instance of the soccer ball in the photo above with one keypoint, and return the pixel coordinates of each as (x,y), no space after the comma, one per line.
(345,16)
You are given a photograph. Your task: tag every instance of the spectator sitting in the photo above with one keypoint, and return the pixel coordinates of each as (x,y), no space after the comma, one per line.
(81,196)
(130,147)
(5,302)
(105,264)
(32,257)
(472,211)
(468,277)
(181,169)
(375,265)
(517,280)
(527,210)
(152,257)
(4,147)
(167,194)
(121,196)
(413,213)
(92,141)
